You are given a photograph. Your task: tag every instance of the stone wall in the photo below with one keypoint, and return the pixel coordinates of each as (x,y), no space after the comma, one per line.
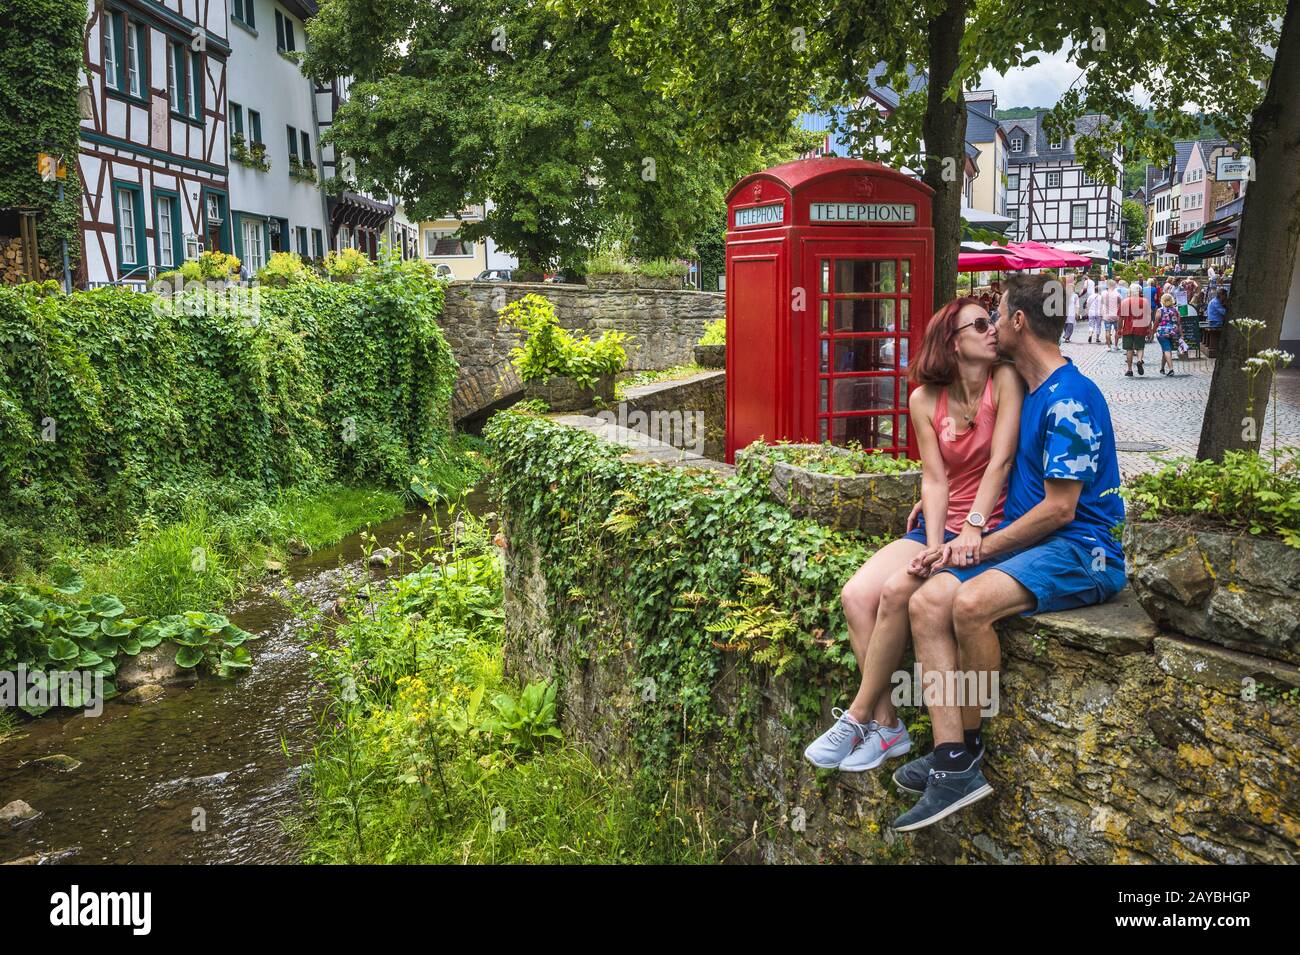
(664,324)
(1117,742)
(682,411)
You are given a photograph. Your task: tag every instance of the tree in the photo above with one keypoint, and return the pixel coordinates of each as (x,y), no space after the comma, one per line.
(40,60)
(502,100)
(1135,222)
(1267,247)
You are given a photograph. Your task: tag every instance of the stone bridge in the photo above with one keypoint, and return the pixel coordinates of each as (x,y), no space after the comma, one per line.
(664,325)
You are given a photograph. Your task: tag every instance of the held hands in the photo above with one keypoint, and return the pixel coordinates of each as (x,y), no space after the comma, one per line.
(964,550)
(922,565)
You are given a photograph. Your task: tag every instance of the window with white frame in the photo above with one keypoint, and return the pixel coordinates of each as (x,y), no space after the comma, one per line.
(126,226)
(1079,215)
(1013,182)
(1054,180)
(175,84)
(1017,143)
(1054,144)
(254,248)
(166,231)
(1089,179)
(112,69)
(134,82)
(443,244)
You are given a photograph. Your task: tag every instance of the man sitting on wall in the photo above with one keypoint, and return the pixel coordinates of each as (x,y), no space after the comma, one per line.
(1054,550)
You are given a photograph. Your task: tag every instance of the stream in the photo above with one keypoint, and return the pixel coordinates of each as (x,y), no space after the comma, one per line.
(223,757)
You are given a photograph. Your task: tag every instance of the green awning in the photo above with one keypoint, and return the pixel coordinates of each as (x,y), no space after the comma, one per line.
(1203,251)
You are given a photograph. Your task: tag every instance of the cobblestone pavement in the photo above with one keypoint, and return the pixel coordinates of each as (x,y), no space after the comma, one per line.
(1169,410)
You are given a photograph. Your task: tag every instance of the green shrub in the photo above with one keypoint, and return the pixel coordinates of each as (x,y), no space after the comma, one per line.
(608,263)
(345,263)
(284,268)
(1243,491)
(662,268)
(827,458)
(551,350)
(715,333)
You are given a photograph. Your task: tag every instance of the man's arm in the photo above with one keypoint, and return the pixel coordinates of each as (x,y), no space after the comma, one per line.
(1054,511)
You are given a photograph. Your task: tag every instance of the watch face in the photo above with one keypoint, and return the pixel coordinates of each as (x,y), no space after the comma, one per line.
(975,518)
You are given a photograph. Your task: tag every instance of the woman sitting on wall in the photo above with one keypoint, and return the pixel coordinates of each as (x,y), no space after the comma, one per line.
(966,418)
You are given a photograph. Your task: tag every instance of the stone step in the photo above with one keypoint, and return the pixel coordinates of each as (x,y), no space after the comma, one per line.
(1116,627)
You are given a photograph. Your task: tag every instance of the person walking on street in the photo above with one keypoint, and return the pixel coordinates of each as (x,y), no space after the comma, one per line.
(1071,308)
(1110,300)
(1092,304)
(1136,327)
(1169,333)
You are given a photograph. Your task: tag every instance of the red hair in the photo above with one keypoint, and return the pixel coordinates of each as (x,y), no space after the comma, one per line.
(935,362)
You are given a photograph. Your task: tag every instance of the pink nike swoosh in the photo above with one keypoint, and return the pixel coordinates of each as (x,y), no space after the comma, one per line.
(884,745)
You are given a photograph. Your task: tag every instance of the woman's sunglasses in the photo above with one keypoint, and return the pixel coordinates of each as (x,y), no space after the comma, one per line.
(981,324)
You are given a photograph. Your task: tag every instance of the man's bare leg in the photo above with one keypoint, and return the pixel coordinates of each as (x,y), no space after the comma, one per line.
(935,641)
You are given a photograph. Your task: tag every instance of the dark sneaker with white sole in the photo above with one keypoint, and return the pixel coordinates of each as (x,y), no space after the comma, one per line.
(945,793)
(911,776)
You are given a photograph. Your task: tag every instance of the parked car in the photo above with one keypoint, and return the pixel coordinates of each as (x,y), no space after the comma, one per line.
(443,271)
(566,277)
(495,275)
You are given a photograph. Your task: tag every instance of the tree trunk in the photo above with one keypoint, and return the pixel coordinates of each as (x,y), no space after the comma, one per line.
(1266,255)
(944,130)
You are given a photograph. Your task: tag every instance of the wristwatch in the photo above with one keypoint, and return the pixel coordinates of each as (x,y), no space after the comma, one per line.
(975,519)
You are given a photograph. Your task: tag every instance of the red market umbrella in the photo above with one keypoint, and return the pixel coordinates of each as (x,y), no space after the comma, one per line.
(1040,256)
(990,261)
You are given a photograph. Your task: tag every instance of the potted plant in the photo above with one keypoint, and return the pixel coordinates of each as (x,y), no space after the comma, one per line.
(1213,550)
(609,270)
(711,350)
(660,274)
(567,372)
(846,488)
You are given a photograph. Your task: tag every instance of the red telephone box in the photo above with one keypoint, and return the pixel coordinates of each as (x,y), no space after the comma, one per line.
(829,287)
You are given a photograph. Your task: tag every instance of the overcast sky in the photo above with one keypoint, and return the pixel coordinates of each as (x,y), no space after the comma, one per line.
(1038,85)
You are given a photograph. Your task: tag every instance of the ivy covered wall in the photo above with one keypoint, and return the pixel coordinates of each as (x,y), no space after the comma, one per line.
(40,62)
(693,627)
(106,395)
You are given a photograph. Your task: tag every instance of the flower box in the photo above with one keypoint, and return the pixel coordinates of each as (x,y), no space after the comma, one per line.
(562,393)
(711,356)
(864,503)
(1231,588)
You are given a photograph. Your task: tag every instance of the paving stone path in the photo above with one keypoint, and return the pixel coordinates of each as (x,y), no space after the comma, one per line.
(1169,410)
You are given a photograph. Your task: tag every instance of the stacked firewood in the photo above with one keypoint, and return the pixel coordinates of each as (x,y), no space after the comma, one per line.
(12,270)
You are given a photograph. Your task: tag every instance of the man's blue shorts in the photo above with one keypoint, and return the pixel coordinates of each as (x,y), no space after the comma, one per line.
(1058,572)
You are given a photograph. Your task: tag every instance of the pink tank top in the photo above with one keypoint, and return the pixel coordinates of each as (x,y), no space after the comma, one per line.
(965,456)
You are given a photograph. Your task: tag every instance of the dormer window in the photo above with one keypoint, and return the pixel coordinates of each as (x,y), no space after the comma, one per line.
(1054,144)
(1017,143)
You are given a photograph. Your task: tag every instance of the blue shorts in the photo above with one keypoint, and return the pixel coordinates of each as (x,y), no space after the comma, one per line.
(1058,572)
(917,533)
(1166,343)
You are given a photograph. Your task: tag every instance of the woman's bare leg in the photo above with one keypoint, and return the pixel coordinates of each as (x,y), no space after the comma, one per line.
(861,598)
(885,649)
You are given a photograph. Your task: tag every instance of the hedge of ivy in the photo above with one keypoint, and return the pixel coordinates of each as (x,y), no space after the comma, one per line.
(40,62)
(105,395)
(696,565)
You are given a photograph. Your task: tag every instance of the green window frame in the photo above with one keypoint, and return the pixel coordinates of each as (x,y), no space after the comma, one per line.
(300,232)
(177,86)
(113,50)
(166,198)
(133,257)
(239,220)
(284,41)
(223,206)
(306,146)
(237,119)
(317,244)
(293,142)
(254,126)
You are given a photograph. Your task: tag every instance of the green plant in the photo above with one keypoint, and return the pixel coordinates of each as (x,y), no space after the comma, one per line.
(1244,491)
(551,350)
(608,263)
(715,333)
(826,458)
(345,263)
(44,629)
(284,268)
(526,721)
(210,266)
(661,268)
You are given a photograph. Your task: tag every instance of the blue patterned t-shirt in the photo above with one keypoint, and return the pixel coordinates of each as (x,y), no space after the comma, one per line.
(1065,433)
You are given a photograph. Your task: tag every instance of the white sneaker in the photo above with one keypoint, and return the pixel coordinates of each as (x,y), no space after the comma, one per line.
(828,750)
(880,744)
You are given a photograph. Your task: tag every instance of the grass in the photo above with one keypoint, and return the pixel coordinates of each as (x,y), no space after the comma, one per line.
(650,377)
(417,762)
(607,263)
(662,268)
(207,555)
